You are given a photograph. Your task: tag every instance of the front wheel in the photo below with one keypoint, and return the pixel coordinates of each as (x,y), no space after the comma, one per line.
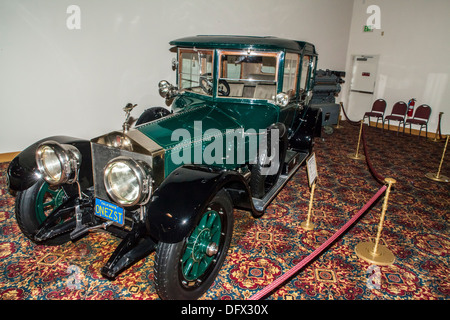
(185,270)
(32,207)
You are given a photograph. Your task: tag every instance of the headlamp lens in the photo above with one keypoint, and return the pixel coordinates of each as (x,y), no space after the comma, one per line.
(51,163)
(123,183)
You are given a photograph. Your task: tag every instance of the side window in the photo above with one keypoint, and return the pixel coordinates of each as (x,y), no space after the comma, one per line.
(249,75)
(313,67)
(304,75)
(194,64)
(290,73)
(233,71)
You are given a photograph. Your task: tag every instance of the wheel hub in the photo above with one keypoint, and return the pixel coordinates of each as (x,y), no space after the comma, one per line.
(202,246)
(212,249)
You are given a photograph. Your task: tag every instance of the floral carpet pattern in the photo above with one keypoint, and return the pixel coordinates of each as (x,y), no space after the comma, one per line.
(416,230)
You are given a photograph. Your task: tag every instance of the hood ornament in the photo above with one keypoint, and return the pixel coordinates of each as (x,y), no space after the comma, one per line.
(126,125)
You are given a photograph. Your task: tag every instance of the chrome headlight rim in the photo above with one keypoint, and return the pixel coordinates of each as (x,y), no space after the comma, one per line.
(143,181)
(167,90)
(164,88)
(282,99)
(66,162)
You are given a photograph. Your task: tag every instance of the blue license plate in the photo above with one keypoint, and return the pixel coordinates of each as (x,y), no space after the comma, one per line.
(109,211)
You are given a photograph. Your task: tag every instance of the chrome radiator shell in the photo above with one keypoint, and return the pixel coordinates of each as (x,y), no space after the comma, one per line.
(141,148)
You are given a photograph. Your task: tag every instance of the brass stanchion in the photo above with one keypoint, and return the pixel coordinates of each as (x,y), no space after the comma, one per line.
(308,225)
(438,176)
(356,156)
(435,139)
(376,253)
(338,126)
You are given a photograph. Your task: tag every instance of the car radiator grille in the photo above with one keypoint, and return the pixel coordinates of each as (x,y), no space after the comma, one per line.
(101,155)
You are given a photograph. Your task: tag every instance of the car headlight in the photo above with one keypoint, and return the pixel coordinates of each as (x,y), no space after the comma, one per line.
(127,181)
(282,99)
(58,163)
(167,90)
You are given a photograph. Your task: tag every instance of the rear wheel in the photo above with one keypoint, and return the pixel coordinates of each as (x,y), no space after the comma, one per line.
(185,270)
(261,182)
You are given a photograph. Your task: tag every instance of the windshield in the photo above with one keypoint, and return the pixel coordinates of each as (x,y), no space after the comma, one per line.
(249,75)
(196,70)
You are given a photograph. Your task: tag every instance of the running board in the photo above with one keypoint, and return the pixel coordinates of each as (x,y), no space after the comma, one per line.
(293,161)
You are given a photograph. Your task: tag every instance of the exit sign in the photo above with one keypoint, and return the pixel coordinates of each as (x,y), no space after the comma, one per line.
(368,28)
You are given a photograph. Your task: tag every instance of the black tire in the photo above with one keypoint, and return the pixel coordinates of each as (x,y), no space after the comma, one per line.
(171,281)
(29,216)
(260,183)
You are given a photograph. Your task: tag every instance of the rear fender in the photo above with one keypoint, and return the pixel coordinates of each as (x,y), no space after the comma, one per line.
(23,171)
(307,128)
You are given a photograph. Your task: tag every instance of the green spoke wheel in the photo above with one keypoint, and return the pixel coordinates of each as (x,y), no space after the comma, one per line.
(46,200)
(185,270)
(201,246)
(33,206)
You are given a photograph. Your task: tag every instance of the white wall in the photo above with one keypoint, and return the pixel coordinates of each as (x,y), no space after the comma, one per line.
(414,55)
(75,82)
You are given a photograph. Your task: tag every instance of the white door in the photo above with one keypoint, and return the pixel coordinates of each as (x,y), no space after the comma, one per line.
(364,73)
(362,86)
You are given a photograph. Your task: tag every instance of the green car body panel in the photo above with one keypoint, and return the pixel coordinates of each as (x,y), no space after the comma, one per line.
(203,118)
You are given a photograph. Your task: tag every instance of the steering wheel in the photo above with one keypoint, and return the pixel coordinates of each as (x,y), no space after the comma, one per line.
(224,88)
(206,85)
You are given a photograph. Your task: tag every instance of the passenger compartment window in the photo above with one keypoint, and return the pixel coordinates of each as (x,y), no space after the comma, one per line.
(311,74)
(290,74)
(304,75)
(249,75)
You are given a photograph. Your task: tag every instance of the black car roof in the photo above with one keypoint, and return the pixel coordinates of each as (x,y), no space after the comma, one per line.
(244,42)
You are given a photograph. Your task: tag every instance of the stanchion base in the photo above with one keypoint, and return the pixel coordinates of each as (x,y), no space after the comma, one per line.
(383,257)
(356,156)
(441,178)
(338,126)
(307,226)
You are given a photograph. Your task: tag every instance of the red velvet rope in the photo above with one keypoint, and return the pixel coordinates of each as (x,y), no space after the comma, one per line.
(372,170)
(355,123)
(266,290)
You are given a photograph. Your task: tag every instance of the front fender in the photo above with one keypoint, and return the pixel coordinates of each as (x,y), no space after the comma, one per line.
(23,172)
(177,204)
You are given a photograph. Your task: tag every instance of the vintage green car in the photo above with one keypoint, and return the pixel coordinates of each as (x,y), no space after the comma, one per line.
(236,127)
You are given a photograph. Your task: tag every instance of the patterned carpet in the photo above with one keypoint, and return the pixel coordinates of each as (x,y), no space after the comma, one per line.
(416,230)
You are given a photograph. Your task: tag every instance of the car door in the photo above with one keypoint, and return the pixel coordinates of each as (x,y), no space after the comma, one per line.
(290,79)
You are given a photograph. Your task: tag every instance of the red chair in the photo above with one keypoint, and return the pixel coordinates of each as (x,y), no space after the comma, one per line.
(398,113)
(378,109)
(421,117)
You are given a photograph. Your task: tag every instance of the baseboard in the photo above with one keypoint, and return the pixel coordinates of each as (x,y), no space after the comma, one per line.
(7,157)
